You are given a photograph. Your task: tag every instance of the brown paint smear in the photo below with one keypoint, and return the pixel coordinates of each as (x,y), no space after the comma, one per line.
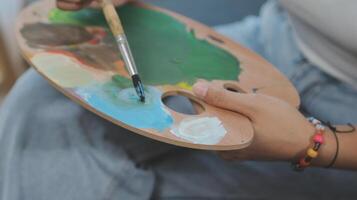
(103,56)
(54,34)
(76,40)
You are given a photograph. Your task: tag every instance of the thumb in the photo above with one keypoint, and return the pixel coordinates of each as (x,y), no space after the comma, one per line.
(220,97)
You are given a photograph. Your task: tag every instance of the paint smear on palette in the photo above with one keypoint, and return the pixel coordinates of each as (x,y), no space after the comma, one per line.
(165,51)
(202,130)
(63,70)
(124,105)
(41,34)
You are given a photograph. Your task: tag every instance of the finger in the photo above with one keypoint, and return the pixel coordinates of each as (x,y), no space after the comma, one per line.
(96,4)
(64,5)
(220,97)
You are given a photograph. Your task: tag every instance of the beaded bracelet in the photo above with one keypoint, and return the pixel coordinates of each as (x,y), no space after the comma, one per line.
(312,152)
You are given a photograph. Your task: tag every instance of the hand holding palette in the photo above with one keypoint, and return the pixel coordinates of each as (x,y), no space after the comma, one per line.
(77,54)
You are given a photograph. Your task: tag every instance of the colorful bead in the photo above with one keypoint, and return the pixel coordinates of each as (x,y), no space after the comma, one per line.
(312,153)
(316,122)
(313,121)
(318,138)
(317,146)
(320,127)
(310,119)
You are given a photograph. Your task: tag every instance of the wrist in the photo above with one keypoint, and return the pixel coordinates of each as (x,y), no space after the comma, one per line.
(300,146)
(319,154)
(318,140)
(327,150)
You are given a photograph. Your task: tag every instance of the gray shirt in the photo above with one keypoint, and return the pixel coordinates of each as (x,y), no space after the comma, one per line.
(326,33)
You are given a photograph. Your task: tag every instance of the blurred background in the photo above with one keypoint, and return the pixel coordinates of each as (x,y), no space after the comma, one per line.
(210,12)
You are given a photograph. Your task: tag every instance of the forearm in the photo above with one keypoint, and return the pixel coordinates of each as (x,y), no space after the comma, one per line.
(347,155)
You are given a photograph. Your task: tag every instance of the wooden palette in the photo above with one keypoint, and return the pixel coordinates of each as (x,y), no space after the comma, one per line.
(76,53)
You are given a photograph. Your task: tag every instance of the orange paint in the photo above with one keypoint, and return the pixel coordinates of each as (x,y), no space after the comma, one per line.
(120,69)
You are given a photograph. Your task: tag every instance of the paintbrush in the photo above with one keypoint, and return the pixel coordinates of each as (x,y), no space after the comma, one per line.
(116,27)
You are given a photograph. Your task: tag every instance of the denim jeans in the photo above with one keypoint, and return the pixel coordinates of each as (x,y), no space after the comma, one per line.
(51,148)
(271,35)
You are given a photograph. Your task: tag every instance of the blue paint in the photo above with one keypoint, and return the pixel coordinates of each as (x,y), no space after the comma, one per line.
(124,105)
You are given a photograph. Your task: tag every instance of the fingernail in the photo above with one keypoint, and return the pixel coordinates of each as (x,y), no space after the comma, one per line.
(200,89)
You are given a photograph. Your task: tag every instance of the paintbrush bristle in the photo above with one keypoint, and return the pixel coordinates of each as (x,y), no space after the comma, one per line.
(139,88)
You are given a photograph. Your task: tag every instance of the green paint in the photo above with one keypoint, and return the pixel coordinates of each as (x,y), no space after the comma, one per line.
(165,52)
(122,82)
(85,17)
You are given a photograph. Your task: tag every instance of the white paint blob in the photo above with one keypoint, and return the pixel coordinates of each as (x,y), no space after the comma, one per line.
(203,130)
(63,70)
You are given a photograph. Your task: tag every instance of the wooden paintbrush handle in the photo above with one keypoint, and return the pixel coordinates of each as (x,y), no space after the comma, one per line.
(112,17)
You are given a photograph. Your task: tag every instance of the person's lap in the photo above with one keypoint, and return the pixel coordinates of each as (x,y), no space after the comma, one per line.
(51,148)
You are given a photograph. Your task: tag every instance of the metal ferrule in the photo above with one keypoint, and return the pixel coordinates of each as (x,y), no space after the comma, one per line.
(126,54)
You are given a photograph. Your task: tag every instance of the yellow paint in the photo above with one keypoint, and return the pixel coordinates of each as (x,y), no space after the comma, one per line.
(184,85)
(65,71)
